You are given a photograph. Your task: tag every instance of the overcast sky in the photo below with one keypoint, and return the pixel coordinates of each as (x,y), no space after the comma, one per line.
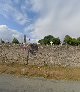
(38,18)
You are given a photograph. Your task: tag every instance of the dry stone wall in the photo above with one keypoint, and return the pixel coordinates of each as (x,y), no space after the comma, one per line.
(48,55)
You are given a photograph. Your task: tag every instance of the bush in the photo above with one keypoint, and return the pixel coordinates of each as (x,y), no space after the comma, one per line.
(15,41)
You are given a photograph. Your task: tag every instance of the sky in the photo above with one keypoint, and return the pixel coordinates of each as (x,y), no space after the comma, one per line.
(39,18)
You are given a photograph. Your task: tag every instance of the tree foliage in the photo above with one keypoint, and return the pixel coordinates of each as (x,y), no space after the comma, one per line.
(48,39)
(67,39)
(2,41)
(71,41)
(56,41)
(15,41)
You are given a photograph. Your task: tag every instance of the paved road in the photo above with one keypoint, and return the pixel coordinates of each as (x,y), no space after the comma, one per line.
(14,84)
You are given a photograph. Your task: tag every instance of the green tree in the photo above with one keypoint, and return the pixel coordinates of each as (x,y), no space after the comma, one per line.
(67,40)
(2,41)
(78,39)
(48,39)
(41,41)
(71,41)
(15,41)
(56,41)
(74,42)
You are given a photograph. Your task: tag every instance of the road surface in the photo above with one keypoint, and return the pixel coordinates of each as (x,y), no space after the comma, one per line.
(10,83)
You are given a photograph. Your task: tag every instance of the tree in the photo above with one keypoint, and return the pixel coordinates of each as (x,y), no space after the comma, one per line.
(48,39)
(41,41)
(2,41)
(32,49)
(74,42)
(15,41)
(71,41)
(78,39)
(24,38)
(67,40)
(56,41)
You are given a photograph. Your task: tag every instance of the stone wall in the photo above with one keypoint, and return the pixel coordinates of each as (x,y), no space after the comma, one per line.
(51,55)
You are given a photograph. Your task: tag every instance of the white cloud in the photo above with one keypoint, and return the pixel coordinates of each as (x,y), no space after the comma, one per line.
(8,34)
(8,9)
(57,17)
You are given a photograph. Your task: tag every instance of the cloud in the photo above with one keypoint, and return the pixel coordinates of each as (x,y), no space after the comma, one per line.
(57,17)
(8,34)
(10,8)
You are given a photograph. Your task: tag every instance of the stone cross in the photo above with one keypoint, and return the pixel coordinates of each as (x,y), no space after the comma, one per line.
(51,43)
(61,43)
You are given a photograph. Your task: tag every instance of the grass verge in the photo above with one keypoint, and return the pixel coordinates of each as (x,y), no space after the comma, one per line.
(50,72)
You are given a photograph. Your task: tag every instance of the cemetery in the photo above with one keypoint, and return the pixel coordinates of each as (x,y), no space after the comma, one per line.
(50,51)
(49,59)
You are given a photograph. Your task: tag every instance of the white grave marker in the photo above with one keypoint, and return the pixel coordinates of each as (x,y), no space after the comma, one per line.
(51,43)
(61,43)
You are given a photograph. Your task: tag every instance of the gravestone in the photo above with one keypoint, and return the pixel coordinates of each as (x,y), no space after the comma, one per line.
(51,43)
(61,44)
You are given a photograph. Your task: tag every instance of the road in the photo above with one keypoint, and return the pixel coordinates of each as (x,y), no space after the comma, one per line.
(10,83)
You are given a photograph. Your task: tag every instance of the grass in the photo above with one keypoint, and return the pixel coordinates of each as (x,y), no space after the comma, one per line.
(50,72)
